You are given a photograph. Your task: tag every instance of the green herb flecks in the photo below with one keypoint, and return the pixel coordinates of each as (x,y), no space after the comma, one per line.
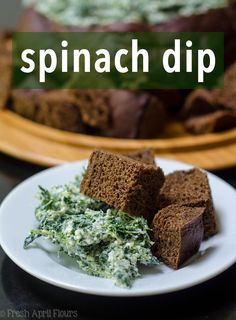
(102,12)
(104,241)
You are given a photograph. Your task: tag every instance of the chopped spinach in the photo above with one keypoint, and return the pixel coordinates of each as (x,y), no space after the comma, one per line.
(90,12)
(104,241)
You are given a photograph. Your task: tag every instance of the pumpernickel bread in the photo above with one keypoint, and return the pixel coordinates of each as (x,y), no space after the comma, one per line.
(25,102)
(213,122)
(190,188)
(124,183)
(55,108)
(147,156)
(32,20)
(141,115)
(199,102)
(59,109)
(177,232)
(134,114)
(93,106)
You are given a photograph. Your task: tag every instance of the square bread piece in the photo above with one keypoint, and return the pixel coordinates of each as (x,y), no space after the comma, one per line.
(123,183)
(190,188)
(178,232)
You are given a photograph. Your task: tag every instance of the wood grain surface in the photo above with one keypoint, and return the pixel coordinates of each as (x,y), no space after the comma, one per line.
(46,146)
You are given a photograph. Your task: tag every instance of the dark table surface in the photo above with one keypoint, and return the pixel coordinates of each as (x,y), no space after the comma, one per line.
(24,297)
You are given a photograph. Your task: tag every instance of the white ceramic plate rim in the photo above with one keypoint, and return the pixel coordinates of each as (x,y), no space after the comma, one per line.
(103,287)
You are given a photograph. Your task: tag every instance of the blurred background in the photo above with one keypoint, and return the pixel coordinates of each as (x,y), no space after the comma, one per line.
(153,114)
(9,13)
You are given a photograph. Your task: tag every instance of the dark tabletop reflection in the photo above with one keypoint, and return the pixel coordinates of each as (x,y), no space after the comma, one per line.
(12,172)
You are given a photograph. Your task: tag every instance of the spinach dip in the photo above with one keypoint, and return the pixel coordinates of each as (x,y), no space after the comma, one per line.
(101,12)
(105,242)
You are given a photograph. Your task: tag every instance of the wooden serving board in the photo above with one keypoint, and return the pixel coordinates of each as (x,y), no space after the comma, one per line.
(46,146)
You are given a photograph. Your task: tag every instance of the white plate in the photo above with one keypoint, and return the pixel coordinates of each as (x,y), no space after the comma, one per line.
(17,218)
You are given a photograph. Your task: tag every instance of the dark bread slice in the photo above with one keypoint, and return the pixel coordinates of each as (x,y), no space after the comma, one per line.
(111,113)
(147,156)
(93,106)
(25,102)
(213,122)
(190,188)
(177,232)
(58,109)
(199,102)
(212,111)
(32,21)
(172,99)
(124,183)
(122,113)
(122,27)
(134,114)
